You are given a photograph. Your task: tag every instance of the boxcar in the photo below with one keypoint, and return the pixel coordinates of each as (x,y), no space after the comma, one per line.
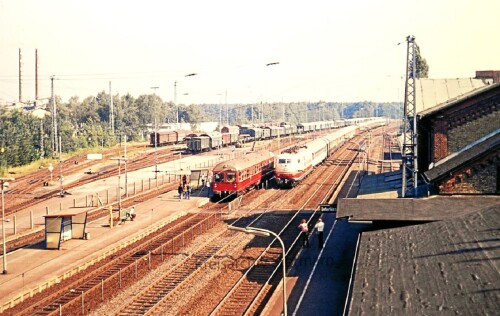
(168,137)
(215,139)
(198,143)
(273,131)
(255,133)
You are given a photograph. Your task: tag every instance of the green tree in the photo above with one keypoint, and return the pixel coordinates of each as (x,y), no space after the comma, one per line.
(422,66)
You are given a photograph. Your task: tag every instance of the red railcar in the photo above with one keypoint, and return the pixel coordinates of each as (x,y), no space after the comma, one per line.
(226,139)
(240,174)
(168,137)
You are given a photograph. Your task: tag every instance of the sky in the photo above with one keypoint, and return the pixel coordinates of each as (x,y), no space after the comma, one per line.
(333,51)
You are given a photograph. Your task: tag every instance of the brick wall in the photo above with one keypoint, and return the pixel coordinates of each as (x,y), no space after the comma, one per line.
(480,178)
(488,74)
(472,130)
(440,140)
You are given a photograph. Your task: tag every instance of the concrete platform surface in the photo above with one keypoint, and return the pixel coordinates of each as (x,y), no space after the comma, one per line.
(28,268)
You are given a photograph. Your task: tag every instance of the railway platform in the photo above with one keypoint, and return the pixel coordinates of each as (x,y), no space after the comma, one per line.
(35,268)
(316,282)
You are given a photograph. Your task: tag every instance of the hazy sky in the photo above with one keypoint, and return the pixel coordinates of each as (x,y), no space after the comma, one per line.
(327,50)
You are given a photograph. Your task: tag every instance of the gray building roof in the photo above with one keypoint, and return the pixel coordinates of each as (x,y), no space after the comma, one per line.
(430,93)
(435,208)
(441,268)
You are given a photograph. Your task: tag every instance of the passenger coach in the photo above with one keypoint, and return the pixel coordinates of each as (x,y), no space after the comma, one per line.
(238,175)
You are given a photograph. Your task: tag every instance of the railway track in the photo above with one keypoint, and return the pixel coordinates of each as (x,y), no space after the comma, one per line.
(248,293)
(22,195)
(155,296)
(100,282)
(252,289)
(390,149)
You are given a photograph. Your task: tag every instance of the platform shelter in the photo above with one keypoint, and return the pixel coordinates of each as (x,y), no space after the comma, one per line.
(64,226)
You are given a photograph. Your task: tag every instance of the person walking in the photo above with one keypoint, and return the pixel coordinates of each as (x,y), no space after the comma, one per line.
(188,191)
(304,231)
(184,191)
(320,226)
(179,190)
(209,185)
(202,182)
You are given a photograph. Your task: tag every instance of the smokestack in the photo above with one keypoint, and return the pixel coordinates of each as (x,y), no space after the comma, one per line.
(20,82)
(36,74)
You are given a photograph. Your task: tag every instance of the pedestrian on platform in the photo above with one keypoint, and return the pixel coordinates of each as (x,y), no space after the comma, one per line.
(320,226)
(304,231)
(131,213)
(184,191)
(202,182)
(179,190)
(188,191)
(209,185)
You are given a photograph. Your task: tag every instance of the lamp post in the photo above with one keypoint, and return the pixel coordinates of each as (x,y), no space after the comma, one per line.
(119,189)
(175,96)
(51,168)
(282,105)
(266,233)
(220,111)
(3,184)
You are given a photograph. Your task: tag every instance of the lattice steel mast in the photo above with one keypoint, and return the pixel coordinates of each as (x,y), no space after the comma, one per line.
(409,155)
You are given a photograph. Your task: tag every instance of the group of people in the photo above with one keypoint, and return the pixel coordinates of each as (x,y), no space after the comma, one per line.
(304,231)
(184,190)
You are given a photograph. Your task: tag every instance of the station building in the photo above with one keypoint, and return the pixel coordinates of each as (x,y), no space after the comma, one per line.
(438,256)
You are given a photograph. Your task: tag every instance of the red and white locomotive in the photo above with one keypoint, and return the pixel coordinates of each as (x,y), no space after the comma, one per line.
(295,163)
(240,174)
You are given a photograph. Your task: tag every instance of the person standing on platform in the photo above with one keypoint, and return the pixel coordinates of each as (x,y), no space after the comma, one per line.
(320,226)
(179,190)
(188,191)
(209,185)
(304,231)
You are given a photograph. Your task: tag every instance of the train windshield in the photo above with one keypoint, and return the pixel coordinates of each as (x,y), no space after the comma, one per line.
(230,177)
(218,177)
(284,161)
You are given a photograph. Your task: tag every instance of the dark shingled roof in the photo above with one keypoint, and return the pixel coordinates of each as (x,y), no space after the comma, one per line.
(442,268)
(422,209)
(487,144)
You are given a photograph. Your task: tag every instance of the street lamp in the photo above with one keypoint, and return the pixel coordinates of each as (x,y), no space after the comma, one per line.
(175,95)
(51,168)
(3,185)
(266,233)
(282,105)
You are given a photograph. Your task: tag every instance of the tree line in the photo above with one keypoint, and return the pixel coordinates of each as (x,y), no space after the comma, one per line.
(25,138)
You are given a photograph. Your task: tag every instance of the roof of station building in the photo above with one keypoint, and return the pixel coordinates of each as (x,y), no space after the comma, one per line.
(434,94)
(434,208)
(448,267)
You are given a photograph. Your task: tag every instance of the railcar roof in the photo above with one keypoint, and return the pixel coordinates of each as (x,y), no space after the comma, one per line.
(243,162)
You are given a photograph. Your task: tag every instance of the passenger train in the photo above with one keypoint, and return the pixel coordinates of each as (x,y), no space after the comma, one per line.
(295,163)
(241,174)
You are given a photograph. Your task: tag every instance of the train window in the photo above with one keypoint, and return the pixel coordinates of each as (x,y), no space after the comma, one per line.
(219,177)
(230,176)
